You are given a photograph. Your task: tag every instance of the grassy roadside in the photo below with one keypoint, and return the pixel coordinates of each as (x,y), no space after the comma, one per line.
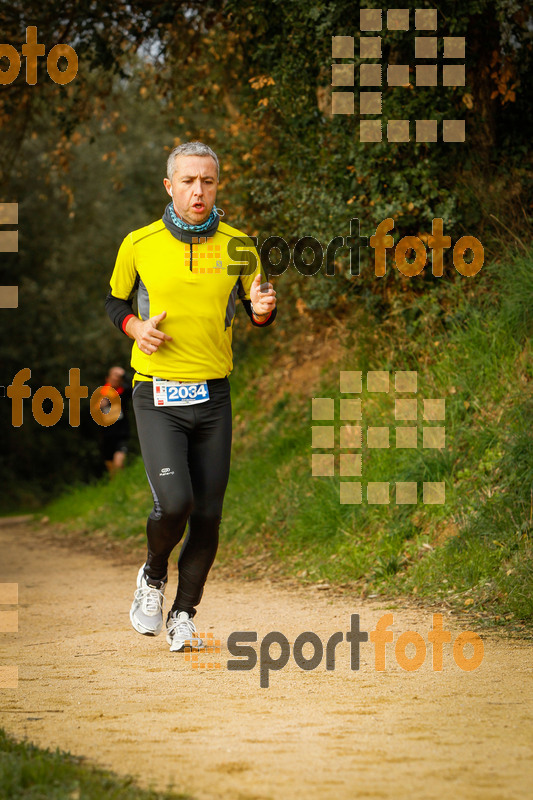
(29,773)
(470,344)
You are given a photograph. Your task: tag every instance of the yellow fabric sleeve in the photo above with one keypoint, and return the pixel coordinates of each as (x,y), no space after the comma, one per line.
(124,273)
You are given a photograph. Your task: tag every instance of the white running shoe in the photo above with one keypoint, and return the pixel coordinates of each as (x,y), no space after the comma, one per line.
(181,632)
(146,613)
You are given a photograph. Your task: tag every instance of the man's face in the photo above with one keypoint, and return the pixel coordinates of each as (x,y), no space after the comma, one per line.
(193,187)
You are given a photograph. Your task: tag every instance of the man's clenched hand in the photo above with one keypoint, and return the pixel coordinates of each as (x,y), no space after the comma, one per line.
(145,333)
(263,297)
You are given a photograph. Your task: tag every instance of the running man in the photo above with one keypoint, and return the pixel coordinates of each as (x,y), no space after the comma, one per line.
(179,267)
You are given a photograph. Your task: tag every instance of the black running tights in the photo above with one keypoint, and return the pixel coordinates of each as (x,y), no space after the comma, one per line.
(186,453)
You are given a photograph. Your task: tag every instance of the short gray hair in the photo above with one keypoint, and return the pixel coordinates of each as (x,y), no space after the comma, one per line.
(189,149)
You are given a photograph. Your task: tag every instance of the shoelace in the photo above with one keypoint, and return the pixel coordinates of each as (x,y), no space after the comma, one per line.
(183,627)
(151,599)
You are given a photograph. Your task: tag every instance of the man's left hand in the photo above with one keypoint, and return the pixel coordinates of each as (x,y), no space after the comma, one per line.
(263,297)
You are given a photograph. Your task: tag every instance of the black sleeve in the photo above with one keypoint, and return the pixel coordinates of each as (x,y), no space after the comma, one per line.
(118,309)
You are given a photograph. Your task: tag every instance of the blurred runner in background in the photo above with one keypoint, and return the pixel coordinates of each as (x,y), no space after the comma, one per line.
(115,437)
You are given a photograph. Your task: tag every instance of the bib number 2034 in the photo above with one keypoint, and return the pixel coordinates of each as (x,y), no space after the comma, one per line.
(190,392)
(176,393)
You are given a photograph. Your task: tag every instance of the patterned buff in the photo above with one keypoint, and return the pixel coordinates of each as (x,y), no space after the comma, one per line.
(184,226)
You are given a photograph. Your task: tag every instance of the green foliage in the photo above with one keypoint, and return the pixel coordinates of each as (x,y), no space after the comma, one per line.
(118,507)
(412,182)
(491,560)
(30,773)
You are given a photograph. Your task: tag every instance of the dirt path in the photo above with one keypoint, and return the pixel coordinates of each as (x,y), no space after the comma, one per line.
(89,684)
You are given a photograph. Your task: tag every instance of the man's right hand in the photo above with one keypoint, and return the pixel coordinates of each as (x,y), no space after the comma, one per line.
(145,333)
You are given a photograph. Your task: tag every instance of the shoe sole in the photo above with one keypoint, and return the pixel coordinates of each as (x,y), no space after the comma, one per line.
(189,647)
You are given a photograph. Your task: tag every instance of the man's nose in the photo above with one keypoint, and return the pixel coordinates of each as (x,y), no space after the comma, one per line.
(198,188)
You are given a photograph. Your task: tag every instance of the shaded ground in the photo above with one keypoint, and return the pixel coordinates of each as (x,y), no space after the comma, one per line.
(89,684)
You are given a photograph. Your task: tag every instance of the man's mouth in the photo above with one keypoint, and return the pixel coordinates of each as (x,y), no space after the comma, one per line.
(198,207)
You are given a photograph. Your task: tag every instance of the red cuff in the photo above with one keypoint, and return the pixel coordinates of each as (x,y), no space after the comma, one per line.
(263,320)
(125,322)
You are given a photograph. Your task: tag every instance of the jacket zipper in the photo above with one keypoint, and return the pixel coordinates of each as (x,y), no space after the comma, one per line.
(190,257)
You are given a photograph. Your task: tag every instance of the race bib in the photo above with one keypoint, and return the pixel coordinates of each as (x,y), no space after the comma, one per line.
(179,393)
